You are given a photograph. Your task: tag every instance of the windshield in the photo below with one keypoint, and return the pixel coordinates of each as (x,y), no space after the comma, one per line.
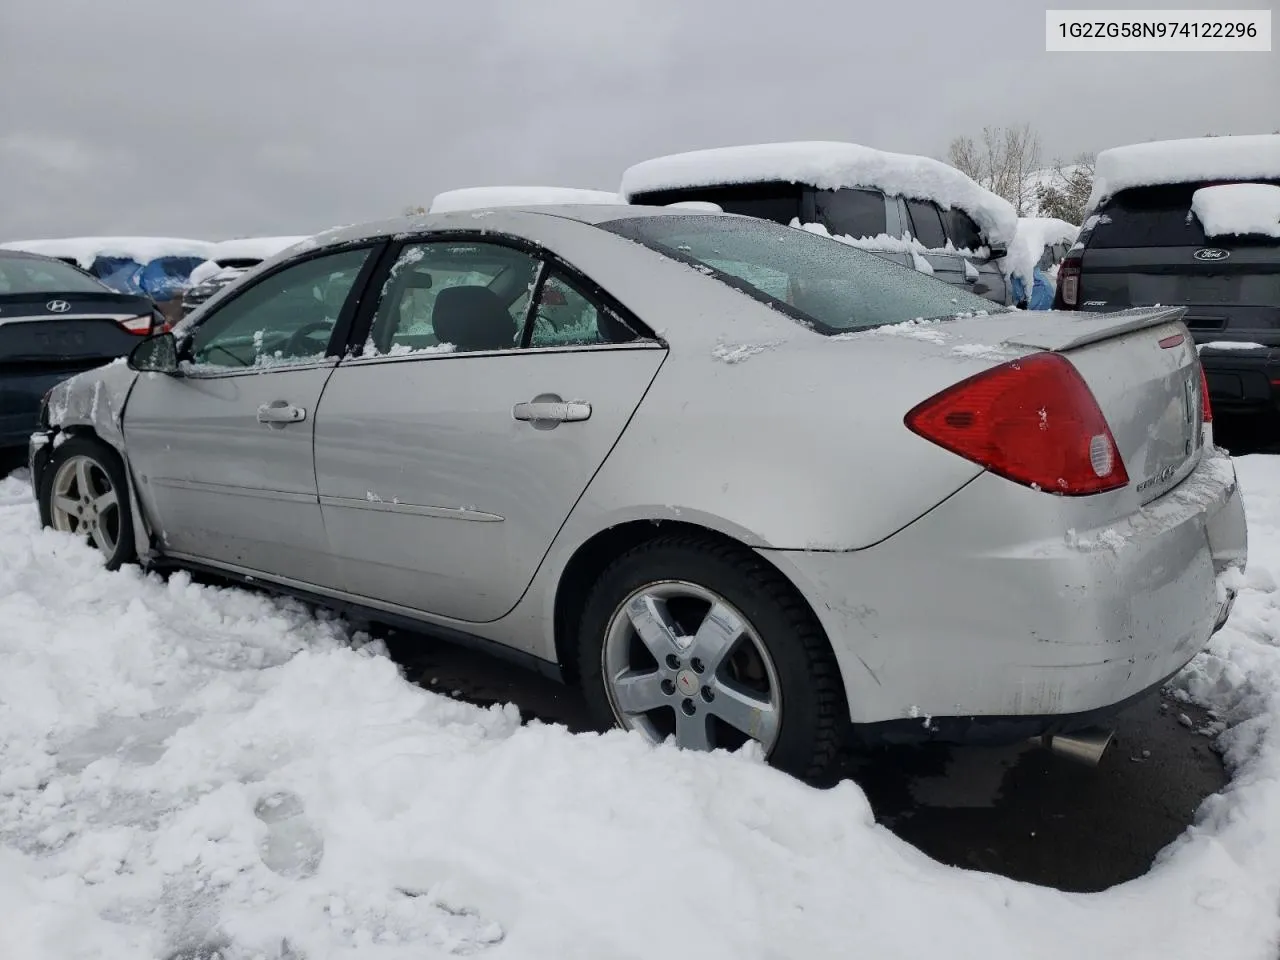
(825,284)
(38,275)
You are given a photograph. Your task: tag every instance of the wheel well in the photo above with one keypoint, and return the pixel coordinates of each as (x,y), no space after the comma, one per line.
(592,557)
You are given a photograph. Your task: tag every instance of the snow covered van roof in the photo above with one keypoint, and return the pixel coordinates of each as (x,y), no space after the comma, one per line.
(84,250)
(828,165)
(1161,162)
(251,248)
(475,198)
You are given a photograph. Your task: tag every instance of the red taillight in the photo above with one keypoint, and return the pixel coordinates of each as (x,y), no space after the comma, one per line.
(1068,294)
(1034,421)
(1205,408)
(138,325)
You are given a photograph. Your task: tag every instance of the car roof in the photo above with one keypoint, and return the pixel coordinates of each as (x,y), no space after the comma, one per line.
(26,255)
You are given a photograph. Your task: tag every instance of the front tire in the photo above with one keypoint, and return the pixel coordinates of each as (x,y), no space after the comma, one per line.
(689,638)
(84,492)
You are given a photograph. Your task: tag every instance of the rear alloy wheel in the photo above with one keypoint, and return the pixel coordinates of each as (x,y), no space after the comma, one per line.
(84,493)
(702,643)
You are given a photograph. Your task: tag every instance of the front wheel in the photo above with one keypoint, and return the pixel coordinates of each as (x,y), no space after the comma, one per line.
(702,642)
(83,492)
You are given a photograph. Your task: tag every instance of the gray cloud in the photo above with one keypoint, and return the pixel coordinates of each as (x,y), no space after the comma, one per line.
(283,116)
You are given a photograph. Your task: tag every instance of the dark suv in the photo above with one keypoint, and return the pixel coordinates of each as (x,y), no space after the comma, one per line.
(1144,246)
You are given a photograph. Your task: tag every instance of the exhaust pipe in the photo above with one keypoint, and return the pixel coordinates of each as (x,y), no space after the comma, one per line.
(1083,746)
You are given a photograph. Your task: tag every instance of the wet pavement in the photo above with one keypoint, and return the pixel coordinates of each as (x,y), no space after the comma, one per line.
(1019,811)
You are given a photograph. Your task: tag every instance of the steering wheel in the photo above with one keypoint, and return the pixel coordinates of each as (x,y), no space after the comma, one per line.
(294,344)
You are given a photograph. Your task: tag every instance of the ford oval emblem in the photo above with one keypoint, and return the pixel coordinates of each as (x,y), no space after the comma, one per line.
(1211,254)
(57,306)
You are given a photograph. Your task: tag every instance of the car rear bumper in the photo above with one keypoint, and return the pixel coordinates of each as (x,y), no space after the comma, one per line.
(1243,381)
(991,609)
(20,396)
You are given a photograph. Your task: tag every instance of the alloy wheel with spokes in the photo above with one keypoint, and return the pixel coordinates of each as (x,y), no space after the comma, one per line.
(680,661)
(86,502)
(83,492)
(693,639)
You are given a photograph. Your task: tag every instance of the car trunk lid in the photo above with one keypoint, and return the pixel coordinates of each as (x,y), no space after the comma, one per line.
(1141,366)
(81,328)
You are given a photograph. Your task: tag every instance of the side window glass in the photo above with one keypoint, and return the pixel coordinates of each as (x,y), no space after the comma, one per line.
(850,212)
(962,231)
(447,296)
(926,224)
(566,317)
(287,318)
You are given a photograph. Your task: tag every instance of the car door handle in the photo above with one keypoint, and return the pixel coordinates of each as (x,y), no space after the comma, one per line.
(551,410)
(281,411)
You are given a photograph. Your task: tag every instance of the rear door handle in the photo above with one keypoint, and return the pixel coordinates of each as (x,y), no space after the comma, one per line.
(281,411)
(548,410)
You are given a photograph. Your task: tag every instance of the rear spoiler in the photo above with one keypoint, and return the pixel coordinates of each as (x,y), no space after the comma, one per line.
(1079,329)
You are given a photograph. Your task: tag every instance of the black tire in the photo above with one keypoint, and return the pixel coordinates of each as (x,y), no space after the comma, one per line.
(814,716)
(108,461)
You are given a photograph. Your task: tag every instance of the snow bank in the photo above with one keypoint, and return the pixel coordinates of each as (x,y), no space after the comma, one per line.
(1255,157)
(1034,234)
(828,166)
(84,250)
(475,198)
(183,767)
(1237,209)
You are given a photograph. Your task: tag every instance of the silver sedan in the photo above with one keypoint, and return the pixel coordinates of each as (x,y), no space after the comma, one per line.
(740,482)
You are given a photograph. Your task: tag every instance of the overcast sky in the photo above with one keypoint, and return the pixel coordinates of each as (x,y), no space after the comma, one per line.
(222,118)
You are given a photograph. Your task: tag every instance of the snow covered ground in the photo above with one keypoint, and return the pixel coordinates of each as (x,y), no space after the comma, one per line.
(186,770)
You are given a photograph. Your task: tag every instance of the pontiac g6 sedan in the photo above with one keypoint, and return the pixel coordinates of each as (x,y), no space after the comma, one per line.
(740,482)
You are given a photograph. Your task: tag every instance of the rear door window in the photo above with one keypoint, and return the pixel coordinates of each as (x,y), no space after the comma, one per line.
(851,212)
(926,224)
(779,202)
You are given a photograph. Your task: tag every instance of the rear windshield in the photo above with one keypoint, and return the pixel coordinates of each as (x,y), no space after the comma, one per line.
(1155,217)
(38,275)
(825,284)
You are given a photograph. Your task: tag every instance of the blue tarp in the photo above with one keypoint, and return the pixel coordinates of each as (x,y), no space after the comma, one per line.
(160,279)
(1041,291)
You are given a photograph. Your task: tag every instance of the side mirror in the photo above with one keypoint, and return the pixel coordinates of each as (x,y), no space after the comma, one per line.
(158,354)
(998,252)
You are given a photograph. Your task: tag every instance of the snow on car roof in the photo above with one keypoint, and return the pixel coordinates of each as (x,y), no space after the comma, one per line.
(1238,209)
(475,198)
(245,248)
(1160,162)
(828,165)
(84,250)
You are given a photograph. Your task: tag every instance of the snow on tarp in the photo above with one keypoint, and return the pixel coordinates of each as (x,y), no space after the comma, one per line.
(84,250)
(828,165)
(476,198)
(188,769)
(1252,157)
(1238,209)
(1033,235)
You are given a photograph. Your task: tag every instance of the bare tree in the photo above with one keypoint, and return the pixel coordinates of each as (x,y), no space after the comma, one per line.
(1068,189)
(1002,161)
(412,211)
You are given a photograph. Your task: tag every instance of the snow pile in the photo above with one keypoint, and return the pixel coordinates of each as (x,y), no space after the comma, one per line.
(474,198)
(1254,157)
(209,269)
(828,165)
(1238,209)
(1034,234)
(186,769)
(84,250)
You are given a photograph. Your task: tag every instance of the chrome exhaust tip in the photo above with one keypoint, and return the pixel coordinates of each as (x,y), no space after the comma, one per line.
(1083,746)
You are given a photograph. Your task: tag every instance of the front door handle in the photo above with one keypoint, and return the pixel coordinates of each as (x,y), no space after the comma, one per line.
(547,410)
(281,411)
